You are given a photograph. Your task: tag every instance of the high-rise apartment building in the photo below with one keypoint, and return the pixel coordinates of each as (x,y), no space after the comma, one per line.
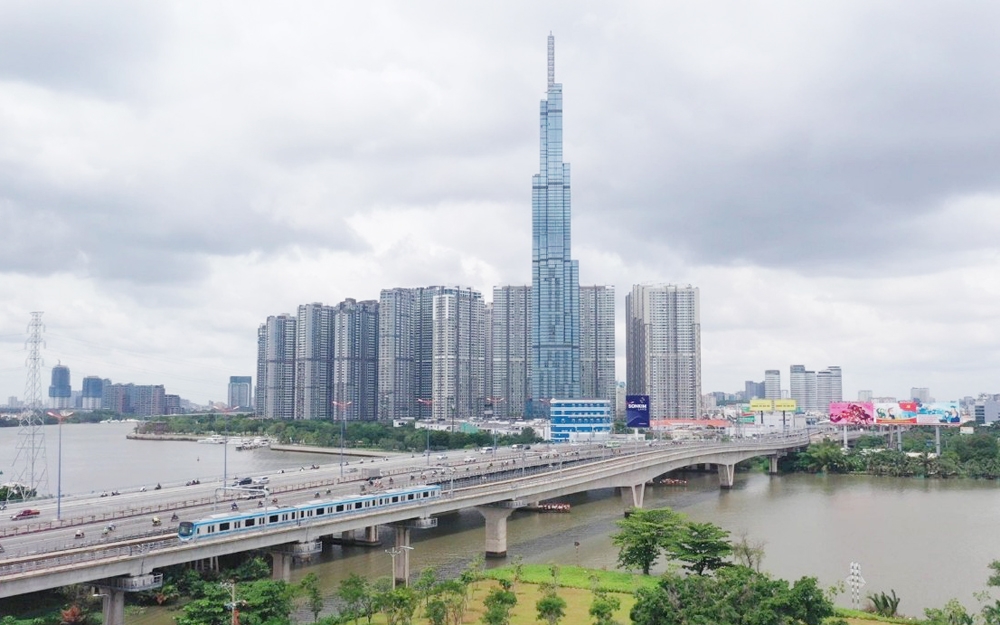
(313,356)
(511,351)
(753,390)
(488,408)
(276,367)
(663,343)
(60,391)
(811,398)
(458,354)
(238,395)
(132,399)
(597,342)
(772,384)
(555,277)
(354,363)
(829,388)
(797,387)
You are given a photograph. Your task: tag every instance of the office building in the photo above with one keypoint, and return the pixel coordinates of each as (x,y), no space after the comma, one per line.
(555,302)
(921,394)
(829,388)
(60,391)
(579,420)
(354,365)
(275,397)
(798,387)
(772,384)
(458,354)
(597,342)
(93,392)
(663,348)
(238,395)
(986,411)
(753,390)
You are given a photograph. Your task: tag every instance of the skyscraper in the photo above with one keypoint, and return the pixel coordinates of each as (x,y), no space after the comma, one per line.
(663,343)
(276,378)
(511,363)
(313,353)
(60,391)
(797,387)
(239,391)
(93,392)
(555,278)
(772,384)
(829,388)
(458,352)
(597,342)
(354,360)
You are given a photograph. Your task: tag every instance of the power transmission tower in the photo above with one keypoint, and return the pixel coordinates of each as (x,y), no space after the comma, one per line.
(29,462)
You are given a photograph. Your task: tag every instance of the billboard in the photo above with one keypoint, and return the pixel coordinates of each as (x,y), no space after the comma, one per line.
(637,411)
(852,413)
(761,405)
(916,413)
(784,405)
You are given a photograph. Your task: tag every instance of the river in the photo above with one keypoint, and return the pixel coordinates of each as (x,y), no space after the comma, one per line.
(928,540)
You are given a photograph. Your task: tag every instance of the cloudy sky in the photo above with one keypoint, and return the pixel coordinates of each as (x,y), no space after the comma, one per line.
(828,173)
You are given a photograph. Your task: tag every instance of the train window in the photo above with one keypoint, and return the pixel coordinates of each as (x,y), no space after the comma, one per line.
(395,499)
(273,518)
(319,511)
(209,529)
(410,497)
(223,527)
(284,517)
(425,493)
(357,506)
(249,522)
(340,508)
(237,525)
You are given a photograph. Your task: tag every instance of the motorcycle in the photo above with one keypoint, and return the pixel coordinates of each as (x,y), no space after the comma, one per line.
(157,522)
(174,517)
(78,534)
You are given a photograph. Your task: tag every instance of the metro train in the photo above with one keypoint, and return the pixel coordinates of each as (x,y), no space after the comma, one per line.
(309,512)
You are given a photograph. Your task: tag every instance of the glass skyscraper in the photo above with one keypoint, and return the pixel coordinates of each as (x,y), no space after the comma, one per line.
(555,277)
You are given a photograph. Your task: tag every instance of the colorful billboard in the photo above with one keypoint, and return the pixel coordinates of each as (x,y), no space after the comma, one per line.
(784,405)
(637,411)
(852,413)
(916,413)
(761,405)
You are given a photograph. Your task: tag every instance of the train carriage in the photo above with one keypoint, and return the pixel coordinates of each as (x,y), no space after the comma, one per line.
(310,511)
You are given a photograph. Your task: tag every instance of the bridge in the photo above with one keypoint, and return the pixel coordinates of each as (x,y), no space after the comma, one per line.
(45,555)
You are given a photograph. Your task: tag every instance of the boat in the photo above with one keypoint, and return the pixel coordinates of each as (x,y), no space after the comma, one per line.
(215,439)
(669,481)
(549,507)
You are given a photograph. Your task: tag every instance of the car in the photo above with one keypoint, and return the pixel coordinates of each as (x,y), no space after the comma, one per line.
(261,480)
(470,459)
(442,456)
(27,513)
(244,482)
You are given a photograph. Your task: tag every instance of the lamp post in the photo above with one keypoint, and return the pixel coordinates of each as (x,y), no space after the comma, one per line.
(62,414)
(343,417)
(395,551)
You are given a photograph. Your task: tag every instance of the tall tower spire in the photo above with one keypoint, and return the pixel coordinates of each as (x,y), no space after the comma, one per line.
(552,59)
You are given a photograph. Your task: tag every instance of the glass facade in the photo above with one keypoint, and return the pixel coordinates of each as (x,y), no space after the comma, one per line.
(555,280)
(580,420)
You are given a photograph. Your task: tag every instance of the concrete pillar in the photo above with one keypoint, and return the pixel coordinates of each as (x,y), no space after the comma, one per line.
(281,566)
(370,537)
(773,469)
(346,537)
(402,561)
(496,530)
(113,601)
(726,475)
(632,496)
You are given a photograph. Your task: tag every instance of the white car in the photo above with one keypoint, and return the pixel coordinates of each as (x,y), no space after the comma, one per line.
(442,456)
(470,459)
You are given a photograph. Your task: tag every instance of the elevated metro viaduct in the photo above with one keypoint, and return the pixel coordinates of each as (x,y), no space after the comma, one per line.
(128,565)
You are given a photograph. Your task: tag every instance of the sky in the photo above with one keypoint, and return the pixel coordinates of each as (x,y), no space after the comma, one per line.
(827,173)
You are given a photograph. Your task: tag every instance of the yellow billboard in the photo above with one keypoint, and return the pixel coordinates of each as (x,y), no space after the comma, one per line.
(761,405)
(784,405)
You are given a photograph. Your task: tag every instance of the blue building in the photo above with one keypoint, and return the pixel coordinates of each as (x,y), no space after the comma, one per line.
(60,392)
(555,277)
(580,420)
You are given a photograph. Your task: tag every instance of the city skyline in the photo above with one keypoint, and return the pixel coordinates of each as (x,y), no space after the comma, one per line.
(831,196)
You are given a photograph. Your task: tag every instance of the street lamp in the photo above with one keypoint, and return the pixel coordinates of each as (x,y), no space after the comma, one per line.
(395,551)
(59,416)
(343,417)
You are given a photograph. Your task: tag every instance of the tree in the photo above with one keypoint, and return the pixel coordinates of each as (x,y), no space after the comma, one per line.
(425,583)
(644,535)
(749,554)
(399,606)
(551,608)
(436,611)
(353,591)
(498,604)
(703,546)
(603,608)
(310,587)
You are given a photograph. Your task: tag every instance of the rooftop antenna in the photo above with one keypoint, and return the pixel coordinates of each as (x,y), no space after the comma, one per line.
(552,59)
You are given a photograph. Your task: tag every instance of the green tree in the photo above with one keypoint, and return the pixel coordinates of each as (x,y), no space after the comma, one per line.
(551,608)
(355,592)
(643,535)
(436,611)
(749,554)
(309,586)
(703,546)
(260,602)
(953,613)
(603,608)
(498,604)
(425,583)
(399,605)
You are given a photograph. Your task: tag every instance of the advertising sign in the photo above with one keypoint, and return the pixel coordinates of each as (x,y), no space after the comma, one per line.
(852,413)
(915,413)
(761,405)
(784,405)
(637,411)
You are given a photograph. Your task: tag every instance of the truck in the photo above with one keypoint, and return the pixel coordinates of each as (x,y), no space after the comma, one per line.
(27,513)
